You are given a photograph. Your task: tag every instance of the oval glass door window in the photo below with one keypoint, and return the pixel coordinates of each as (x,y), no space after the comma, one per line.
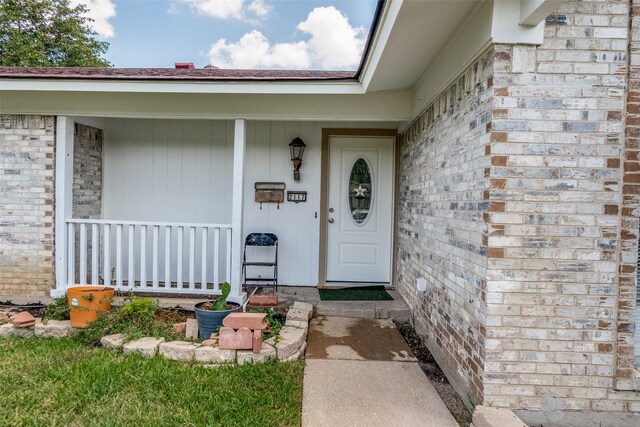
(360,190)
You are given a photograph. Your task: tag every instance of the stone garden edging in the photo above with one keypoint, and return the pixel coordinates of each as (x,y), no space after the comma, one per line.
(291,344)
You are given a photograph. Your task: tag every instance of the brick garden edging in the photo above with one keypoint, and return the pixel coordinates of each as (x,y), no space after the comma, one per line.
(291,345)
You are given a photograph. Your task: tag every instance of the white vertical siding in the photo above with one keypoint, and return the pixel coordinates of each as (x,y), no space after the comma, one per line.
(181,171)
(296,225)
(167,170)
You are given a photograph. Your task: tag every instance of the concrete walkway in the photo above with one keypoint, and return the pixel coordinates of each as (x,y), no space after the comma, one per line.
(360,372)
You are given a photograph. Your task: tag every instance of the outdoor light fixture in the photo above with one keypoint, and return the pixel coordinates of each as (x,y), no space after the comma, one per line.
(297,150)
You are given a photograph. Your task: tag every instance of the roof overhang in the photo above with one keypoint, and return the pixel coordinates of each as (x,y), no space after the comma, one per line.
(414,35)
(417,48)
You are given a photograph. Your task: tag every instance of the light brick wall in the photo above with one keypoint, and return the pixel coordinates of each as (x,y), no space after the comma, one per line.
(26,204)
(87,172)
(555,303)
(442,232)
(553,314)
(629,217)
(87,186)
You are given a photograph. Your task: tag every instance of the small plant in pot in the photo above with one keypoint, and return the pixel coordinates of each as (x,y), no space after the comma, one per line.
(211,313)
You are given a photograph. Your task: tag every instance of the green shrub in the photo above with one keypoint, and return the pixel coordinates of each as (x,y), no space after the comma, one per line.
(138,318)
(58,309)
(140,309)
(275,325)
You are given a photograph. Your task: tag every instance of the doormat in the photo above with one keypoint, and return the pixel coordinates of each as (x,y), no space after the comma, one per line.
(360,293)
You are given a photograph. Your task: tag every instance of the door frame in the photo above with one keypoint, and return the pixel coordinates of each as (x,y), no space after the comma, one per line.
(327,133)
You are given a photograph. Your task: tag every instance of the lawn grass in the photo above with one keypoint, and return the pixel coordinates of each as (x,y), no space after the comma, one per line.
(60,382)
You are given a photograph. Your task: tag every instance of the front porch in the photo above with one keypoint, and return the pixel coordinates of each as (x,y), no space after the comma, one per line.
(122,221)
(163,205)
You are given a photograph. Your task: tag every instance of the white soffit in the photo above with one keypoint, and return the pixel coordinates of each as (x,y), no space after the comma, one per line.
(413,34)
(419,31)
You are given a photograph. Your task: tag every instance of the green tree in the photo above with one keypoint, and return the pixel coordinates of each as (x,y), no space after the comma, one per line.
(48,33)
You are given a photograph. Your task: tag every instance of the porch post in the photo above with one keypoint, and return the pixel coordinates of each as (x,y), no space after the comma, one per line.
(63,198)
(239,143)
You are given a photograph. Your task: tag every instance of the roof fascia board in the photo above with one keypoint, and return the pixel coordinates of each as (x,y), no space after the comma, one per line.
(81,85)
(390,106)
(387,22)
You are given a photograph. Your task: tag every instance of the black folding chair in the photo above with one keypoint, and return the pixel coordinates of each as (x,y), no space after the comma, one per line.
(265,240)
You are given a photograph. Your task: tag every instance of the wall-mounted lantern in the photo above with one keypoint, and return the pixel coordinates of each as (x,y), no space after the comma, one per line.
(297,151)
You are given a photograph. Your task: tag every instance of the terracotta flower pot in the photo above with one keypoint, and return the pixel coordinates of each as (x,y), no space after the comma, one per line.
(85,302)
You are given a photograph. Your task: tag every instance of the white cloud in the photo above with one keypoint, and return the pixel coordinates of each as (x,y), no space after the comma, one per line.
(230,9)
(259,8)
(223,9)
(333,44)
(100,11)
(254,51)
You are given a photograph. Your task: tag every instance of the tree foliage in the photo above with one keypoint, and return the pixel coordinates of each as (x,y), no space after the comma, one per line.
(48,33)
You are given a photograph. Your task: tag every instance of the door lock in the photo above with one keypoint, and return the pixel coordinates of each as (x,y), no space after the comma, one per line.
(331,220)
(331,210)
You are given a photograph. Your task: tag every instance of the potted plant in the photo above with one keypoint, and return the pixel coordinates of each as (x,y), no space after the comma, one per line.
(211,313)
(85,302)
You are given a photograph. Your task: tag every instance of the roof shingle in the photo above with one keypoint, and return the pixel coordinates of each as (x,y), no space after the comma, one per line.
(212,74)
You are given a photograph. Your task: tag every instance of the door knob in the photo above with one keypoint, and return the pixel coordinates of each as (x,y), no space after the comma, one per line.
(331,220)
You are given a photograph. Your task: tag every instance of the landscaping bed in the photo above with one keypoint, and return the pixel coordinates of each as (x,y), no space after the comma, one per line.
(59,382)
(434,373)
(141,327)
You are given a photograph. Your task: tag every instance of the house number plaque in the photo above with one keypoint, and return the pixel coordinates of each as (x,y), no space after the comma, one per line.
(296,196)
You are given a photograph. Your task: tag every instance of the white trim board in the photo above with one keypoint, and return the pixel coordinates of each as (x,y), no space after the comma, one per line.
(172,86)
(379,106)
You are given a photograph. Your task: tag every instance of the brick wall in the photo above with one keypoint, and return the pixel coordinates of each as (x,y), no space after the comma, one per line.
(26,208)
(442,230)
(87,172)
(87,185)
(553,314)
(629,213)
(555,294)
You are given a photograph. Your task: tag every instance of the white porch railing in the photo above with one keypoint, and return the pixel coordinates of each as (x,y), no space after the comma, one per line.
(163,257)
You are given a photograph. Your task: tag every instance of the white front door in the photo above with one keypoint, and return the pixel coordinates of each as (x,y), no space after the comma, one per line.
(360,209)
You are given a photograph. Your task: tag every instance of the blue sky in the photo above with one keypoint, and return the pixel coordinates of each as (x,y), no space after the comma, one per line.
(305,34)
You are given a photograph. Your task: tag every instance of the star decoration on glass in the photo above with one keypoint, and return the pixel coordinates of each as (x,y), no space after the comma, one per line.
(359,190)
